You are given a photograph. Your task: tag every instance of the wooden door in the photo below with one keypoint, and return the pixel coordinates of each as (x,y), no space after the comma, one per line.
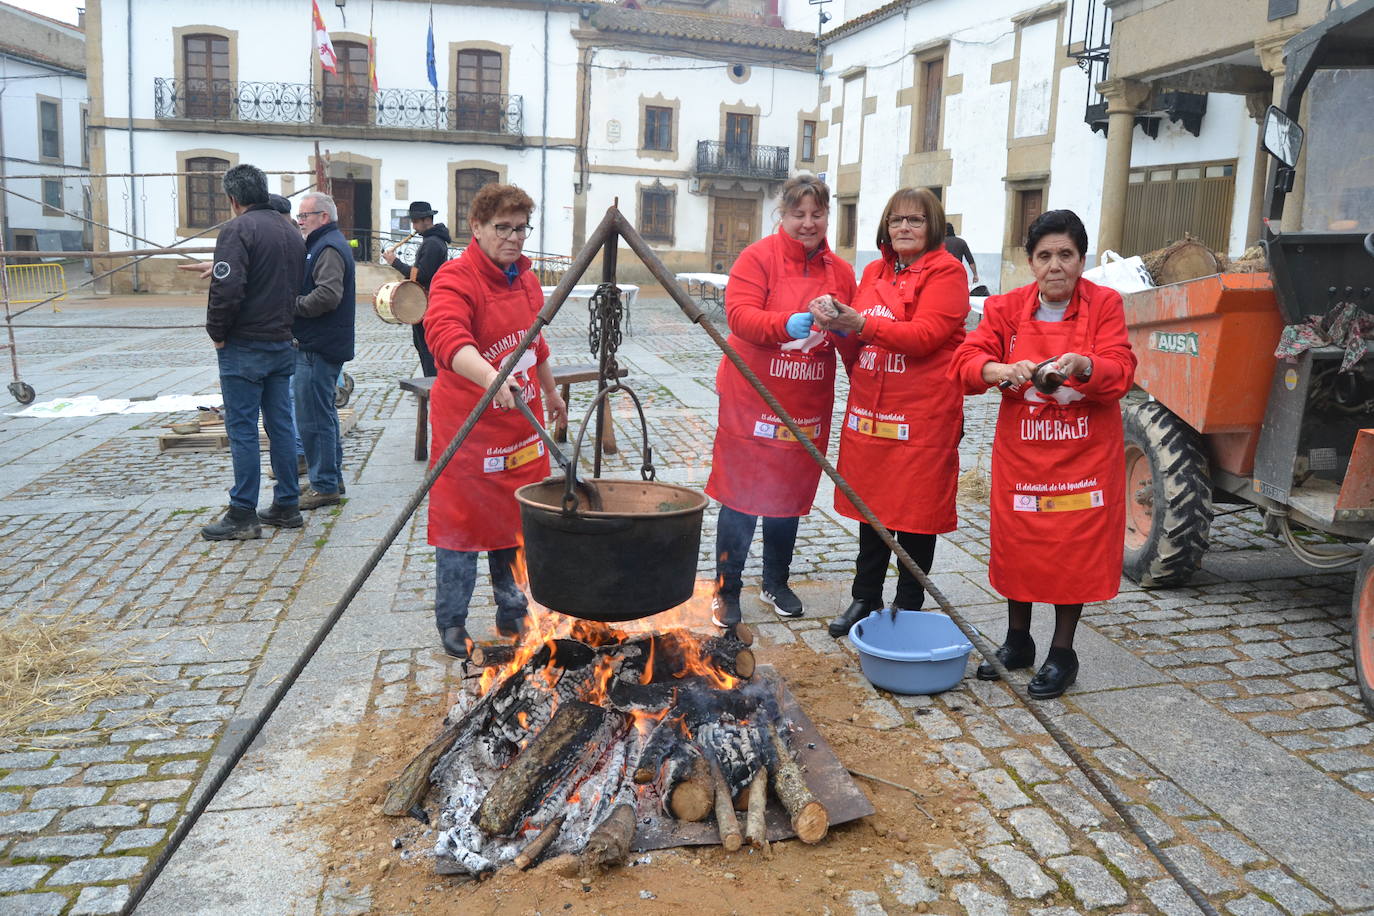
(344,191)
(731,232)
(739,140)
(345,94)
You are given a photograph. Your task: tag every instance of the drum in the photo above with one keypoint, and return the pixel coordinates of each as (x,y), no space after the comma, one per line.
(401,302)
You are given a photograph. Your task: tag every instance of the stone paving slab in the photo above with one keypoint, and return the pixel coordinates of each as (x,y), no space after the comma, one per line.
(1243,777)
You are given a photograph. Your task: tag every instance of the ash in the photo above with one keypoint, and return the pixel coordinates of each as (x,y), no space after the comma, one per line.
(641,687)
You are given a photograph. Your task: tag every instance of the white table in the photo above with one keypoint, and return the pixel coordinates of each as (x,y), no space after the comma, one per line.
(709,288)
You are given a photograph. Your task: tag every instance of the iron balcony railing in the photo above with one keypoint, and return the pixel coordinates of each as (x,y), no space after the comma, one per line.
(301,103)
(743,160)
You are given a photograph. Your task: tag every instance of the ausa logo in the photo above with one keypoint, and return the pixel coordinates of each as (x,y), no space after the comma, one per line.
(1185,344)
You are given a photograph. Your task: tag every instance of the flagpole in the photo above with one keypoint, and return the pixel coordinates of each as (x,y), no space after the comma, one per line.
(435,84)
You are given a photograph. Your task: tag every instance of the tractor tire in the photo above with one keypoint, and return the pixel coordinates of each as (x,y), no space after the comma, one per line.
(1168,497)
(1362,632)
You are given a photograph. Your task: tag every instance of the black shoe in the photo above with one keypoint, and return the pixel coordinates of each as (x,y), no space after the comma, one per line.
(237,524)
(1054,677)
(510,629)
(725,610)
(1022,656)
(280,516)
(858,610)
(455,641)
(785,601)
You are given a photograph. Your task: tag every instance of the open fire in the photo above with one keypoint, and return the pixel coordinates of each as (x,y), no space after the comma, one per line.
(594,739)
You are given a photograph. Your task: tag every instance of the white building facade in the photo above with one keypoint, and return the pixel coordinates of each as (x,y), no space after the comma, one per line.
(986,104)
(43,109)
(552,96)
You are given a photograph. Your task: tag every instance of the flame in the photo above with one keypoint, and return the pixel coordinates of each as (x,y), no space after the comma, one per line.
(598,690)
(688,623)
(643,720)
(523,718)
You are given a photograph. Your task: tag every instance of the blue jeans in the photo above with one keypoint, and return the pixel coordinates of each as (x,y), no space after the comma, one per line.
(255,376)
(455,577)
(300,449)
(318,419)
(734,533)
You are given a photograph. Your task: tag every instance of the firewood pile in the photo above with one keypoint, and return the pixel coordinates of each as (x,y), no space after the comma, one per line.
(572,744)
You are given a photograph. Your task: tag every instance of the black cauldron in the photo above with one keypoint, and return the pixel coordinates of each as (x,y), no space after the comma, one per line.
(633,555)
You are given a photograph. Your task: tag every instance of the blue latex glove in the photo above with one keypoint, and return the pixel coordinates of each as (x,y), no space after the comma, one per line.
(799,325)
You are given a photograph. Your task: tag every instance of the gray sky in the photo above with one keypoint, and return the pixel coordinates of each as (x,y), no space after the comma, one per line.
(64,10)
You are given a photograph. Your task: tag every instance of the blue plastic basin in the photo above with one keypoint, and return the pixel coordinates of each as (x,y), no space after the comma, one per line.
(911,652)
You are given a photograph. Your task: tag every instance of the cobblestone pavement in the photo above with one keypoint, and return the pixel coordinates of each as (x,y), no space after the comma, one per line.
(1225,711)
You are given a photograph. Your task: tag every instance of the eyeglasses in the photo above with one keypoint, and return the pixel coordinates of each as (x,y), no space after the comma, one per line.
(915,222)
(304,213)
(505,231)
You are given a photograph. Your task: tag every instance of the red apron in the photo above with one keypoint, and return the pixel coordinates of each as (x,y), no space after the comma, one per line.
(472,505)
(757,467)
(1058,480)
(899,446)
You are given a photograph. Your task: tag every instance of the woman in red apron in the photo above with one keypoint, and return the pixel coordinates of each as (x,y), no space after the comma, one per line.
(1058,502)
(758,468)
(899,446)
(480,306)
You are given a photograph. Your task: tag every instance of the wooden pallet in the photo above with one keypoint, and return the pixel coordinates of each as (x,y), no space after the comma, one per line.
(213,438)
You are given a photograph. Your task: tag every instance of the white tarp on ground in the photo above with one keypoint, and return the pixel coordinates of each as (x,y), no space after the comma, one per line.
(88,405)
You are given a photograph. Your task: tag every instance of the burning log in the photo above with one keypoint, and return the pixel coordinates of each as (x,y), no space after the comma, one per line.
(609,843)
(676,651)
(531,853)
(518,788)
(809,818)
(407,789)
(755,832)
(666,735)
(727,824)
(562,653)
(684,783)
(737,748)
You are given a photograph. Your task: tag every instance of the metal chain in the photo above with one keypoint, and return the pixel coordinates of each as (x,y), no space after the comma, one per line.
(606,314)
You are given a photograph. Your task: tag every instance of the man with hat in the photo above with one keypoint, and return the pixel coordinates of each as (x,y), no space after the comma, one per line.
(434,239)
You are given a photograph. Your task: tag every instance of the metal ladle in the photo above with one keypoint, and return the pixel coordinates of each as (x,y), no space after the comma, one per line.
(588,492)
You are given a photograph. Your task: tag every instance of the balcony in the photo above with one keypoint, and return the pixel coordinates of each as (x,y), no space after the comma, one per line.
(739,160)
(301,103)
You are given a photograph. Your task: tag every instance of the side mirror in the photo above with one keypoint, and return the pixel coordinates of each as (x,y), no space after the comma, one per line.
(1282,136)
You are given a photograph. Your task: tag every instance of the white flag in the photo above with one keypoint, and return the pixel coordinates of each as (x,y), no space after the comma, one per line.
(328,59)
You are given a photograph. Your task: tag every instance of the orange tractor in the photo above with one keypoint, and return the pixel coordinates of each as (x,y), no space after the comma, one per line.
(1219,419)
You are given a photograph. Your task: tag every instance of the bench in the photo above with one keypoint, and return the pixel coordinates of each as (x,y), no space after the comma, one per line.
(563,376)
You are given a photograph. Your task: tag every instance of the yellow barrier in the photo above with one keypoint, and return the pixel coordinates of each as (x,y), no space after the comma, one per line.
(35,282)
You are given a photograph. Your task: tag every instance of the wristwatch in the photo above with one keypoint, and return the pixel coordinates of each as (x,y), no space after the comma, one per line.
(1088,372)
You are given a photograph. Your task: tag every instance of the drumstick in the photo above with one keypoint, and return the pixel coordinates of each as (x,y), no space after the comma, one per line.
(404,240)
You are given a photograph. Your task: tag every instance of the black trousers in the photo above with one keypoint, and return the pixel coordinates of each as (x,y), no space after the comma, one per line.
(417,334)
(870,569)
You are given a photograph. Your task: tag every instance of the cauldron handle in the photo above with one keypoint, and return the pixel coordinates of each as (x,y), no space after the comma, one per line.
(646,470)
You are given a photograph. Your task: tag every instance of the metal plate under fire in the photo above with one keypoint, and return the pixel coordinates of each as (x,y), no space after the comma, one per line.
(826,777)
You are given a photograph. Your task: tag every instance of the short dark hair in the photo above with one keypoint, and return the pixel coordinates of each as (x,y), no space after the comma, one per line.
(929,204)
(1057,222)
(801,186)
(499,198)
(246,185)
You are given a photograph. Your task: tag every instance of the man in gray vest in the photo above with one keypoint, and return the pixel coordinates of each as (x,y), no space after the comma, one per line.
(325,313)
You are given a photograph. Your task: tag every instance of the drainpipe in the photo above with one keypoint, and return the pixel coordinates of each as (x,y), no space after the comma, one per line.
(544,140)
(133,187)
(4,204)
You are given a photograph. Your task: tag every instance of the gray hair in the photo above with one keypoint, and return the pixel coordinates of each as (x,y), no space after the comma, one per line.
(246,185)
(325,203)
